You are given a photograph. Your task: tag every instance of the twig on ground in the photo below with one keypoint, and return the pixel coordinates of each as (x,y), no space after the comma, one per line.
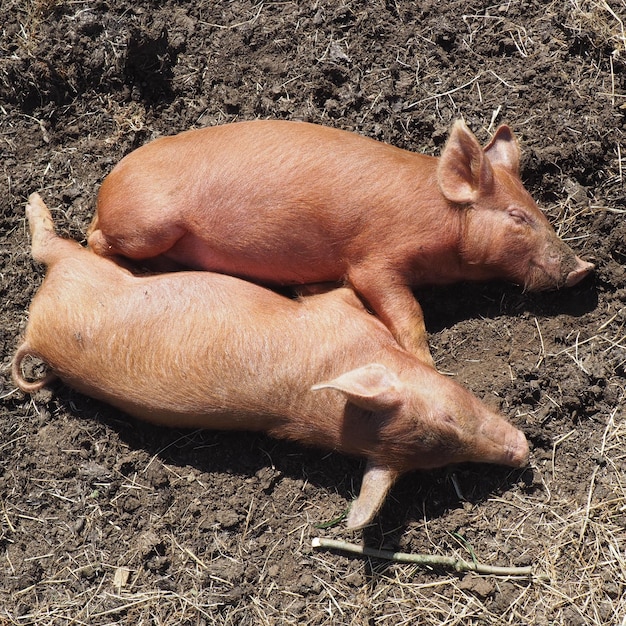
(458,565)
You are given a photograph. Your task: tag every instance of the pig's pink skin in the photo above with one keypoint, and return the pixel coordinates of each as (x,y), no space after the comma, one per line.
(197,349)
(290,203)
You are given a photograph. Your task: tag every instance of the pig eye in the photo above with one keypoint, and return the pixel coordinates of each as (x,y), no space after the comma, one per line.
(520,216)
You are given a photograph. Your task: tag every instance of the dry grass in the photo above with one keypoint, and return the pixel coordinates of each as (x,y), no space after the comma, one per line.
(602,21)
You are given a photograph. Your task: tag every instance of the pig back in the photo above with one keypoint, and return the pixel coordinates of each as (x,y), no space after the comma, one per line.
(278,202)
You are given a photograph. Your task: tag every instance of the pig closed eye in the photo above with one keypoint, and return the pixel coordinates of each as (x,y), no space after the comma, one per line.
(520,217)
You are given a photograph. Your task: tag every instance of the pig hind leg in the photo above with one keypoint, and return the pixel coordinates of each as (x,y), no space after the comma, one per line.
(146,255)
(97,240)
(137,234)
(46,246)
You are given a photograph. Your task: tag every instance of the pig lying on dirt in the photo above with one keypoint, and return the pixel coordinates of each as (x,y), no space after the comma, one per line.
(197,349)
(291,203)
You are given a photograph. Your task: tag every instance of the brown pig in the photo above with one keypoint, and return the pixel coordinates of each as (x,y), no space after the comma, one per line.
(289,202)
(197,349)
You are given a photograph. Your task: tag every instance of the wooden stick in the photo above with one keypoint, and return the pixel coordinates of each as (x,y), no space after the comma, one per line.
(458,565)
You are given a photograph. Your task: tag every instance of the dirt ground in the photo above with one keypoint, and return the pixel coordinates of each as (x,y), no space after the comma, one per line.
(105,520)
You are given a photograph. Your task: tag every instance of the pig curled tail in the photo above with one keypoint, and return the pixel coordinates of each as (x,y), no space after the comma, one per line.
(18,377)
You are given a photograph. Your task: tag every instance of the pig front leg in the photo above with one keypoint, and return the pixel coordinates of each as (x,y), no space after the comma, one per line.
(374,489)
(396,306)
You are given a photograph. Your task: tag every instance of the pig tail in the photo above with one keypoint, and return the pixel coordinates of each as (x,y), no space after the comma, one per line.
(18,377)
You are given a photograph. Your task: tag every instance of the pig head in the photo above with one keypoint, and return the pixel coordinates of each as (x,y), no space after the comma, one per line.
(419,420)
(504,234)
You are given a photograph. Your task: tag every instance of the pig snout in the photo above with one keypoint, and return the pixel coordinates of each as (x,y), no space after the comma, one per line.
(505,444)
(516,451)
(582,269)
(490,437)
(557,266)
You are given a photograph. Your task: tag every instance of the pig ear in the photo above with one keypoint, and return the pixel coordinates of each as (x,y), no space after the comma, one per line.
(503,149)
(463,172)
(372,387)
(376,484)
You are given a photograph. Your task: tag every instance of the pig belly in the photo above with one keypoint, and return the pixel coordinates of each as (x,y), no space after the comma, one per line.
(184,413)
(270,266)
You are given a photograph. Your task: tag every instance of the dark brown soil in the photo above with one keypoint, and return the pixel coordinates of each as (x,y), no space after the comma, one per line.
(106,520)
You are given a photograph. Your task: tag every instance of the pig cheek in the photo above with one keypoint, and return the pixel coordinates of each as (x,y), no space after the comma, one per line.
(523,268)
(443,442)
(512,254)
(496,247)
